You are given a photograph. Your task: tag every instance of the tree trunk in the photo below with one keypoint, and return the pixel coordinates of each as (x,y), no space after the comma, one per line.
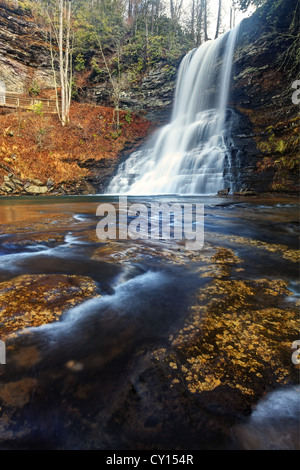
(205,20)
(193,21)
(61,61)
(146,58)
(218,19)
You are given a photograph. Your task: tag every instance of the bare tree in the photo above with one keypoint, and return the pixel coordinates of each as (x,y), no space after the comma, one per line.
(218,19)
(116,83)
(176,11)
(193,21)
(60,32)
(205,13)
(233,9)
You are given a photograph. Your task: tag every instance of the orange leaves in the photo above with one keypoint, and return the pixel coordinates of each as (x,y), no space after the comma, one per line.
(43,148)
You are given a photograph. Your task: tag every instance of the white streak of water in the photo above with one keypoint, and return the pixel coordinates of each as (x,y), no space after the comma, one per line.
(189,155)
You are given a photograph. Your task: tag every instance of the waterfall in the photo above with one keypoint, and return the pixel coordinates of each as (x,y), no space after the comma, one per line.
(193,153)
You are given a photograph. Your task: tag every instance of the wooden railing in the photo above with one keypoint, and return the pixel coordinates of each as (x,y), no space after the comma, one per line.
(16,100)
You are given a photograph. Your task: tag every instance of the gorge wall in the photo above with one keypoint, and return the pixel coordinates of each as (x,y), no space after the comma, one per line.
(265,66)
(24,54)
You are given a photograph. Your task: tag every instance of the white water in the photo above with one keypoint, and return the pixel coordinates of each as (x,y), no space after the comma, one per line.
(192,154)
(274,423)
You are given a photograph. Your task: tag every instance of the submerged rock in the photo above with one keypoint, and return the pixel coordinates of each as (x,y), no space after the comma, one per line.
(235,342)
(34,300)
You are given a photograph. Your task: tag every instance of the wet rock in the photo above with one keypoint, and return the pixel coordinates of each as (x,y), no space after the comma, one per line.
(233,346)
(261,77)
(34,300)
(236,341)
(245,192)
(17,394)
(224,192)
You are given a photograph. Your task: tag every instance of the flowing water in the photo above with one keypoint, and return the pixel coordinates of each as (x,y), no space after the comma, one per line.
(100,375)
(195,152)
(144,342)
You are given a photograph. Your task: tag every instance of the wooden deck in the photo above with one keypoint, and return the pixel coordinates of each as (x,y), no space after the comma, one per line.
(16,100)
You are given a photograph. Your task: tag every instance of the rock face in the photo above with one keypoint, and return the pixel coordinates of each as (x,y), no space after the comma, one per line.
(265,67)
(153,96)
(266,132)
(266,136)
(24,54)
(14,185)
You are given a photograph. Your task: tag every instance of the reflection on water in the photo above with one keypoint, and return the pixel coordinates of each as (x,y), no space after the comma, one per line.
(94,369)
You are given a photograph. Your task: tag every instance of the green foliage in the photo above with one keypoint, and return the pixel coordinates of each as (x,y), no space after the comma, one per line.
(74,89)
(96,67)
(37,108)
(245,4)
(116,134)
(142,42)
(34,89)
(103,19)
(24,5)
(79,63)
(281,152)
(128,117)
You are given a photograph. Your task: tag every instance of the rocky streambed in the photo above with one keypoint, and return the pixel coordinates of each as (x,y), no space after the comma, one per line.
(14,186)
(143,344)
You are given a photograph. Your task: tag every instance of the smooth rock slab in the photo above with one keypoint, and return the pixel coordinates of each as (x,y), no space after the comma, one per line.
(34,300)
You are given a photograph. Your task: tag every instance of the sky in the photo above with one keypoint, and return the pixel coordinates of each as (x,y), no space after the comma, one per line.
(213,5)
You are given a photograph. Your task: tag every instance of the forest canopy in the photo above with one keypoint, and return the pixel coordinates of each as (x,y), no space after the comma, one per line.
(142,31)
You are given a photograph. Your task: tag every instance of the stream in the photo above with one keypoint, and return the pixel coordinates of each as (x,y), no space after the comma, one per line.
(101,374)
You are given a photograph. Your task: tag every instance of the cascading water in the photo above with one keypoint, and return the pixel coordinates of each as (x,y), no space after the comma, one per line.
(193,153)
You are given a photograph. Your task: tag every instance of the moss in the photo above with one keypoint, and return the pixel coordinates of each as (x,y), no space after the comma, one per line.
(280,152)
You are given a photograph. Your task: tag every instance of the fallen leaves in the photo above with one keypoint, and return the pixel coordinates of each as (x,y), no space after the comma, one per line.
(238,333)
(34,300)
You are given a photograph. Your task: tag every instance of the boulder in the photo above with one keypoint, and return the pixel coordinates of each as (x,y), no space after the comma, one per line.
(5,188)
(224,192)
(33,189)
(16,181)
(245,192)
(37,182)
(9,184)
(50,183)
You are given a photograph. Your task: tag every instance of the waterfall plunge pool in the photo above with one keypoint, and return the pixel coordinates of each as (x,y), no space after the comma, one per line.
(142,344)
